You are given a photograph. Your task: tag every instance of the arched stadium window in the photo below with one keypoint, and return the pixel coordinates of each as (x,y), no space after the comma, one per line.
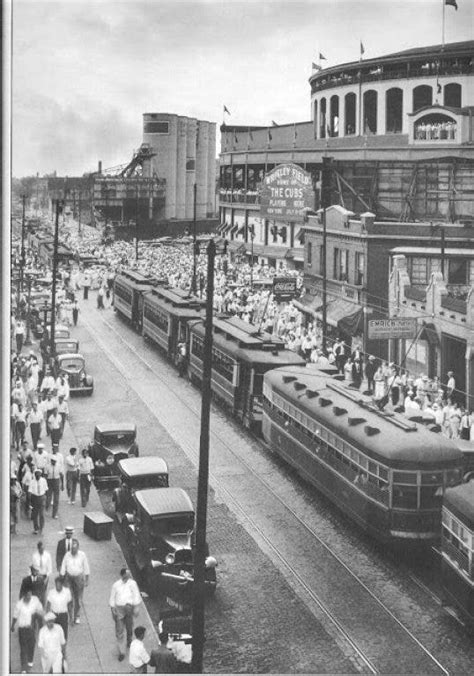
(334,116)
(315,119)
(322,118)
(393,110)
(435,127)
(370,112)
(453,95)
(422,97)
(350,114)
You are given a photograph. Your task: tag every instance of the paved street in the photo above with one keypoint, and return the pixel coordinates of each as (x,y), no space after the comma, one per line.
(133,371)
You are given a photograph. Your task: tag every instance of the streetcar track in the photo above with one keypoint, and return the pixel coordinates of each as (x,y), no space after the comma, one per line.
(217,484)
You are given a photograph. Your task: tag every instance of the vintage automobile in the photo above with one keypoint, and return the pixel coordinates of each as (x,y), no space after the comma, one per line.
(161,534)
(62,331)
(73,365)
(65,345)
(135,474)
(112,442)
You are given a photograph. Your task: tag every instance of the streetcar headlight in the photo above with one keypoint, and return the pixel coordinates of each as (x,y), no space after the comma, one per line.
(169,559)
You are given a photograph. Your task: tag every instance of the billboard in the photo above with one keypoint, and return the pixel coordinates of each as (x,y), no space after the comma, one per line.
(285,192)
(284,288)
(382,329)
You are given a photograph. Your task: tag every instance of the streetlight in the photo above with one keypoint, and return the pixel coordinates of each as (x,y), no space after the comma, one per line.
(59,206)
(193,281)
(22,254)
(28,313)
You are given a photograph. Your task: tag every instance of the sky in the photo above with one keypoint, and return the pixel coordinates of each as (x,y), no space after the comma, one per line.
(83,72)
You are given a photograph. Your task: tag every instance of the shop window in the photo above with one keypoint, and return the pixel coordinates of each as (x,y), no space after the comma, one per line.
(315,121)
(350,114)
(458,271)
(321,260)
(309,253)
(394,111)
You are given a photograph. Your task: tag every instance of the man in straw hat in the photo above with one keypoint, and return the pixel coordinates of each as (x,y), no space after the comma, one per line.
(64,545)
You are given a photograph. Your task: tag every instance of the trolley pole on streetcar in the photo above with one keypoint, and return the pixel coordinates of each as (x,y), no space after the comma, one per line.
(199,589)
(193,281)
(55,269)
(136,221)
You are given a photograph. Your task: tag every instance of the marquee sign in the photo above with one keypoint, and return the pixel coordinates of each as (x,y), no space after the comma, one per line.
(285,192)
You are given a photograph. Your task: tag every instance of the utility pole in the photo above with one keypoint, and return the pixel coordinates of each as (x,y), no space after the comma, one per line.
(193,281)
(136,220)
(79,229)
(55,269)
(28,313)
(199,588)
(22,254)
(325,202)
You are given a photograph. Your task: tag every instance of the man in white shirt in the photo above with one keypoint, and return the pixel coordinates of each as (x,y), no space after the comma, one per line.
(451,385)
(55,422)
(37,490)
(55,478)
(72,474)
(41,560)
(75,567)
(59,601)
(138,656)
(63,410)
(48,383)
(52,645)
(25,613)
(124,602)
(35,418)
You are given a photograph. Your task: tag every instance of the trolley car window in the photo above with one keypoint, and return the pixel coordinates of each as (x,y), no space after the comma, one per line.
(405,478)
(405,497)
(221,363)
(159,319)
(123,293)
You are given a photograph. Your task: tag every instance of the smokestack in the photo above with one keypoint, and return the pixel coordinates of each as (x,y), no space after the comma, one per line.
(99,170)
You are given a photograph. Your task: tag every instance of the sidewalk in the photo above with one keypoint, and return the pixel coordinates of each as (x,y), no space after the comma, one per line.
(91,645)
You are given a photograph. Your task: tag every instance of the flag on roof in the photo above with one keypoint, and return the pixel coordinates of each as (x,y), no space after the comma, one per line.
(362,50)
(226,110)
(314,66)
(269,135)
(274,123)
(452,3)
(322,57)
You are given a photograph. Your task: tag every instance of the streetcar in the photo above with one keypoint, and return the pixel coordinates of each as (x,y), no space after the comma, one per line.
(166,316)
(457,548)
(241,355)
(129,288)
(385,472)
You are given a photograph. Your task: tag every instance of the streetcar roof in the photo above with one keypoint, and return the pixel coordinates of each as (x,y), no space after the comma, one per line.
(175,301)
(164,501)
(135,279)
(245,344)
(389,437)
(146,465)
(460,502)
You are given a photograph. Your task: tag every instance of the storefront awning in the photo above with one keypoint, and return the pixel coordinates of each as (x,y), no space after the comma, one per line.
(309,303)
(220,227)
(296,254)
(241,230)
(300,235)
(233,229)
(226,227)
(267,251)
(352,324)
(236,246)
(429,333)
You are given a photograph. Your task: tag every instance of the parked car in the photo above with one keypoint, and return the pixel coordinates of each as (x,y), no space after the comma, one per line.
(62,331)
(112,442)
(65,345)
(136,474)
(161,533)
(73,365)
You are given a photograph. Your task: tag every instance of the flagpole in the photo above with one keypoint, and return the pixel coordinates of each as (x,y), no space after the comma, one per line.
(443,23)
(361,127)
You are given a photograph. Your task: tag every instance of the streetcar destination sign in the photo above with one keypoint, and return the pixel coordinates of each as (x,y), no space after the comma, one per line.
(285,192)
(382,329)
(284,288)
